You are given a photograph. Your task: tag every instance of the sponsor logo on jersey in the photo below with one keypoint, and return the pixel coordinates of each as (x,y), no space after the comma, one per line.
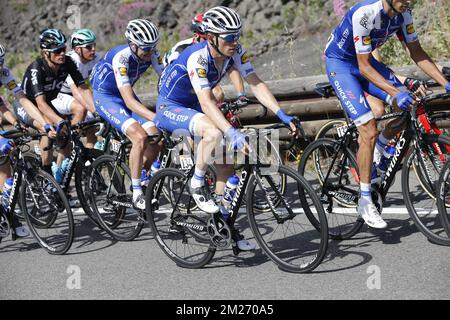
(410,28)
(356,39)
(34,79)
(12,85)
(202,61)
(364,21)
(344,38)
(5,72)
(191,74)
(367,40)
(123,71)
(201,73)
(245,58)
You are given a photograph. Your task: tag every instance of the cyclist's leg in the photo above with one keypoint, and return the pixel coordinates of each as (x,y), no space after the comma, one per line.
(24,118)
(113,109)
(181,121)
(344,77)
(150,151)
(389,133)
(376,105)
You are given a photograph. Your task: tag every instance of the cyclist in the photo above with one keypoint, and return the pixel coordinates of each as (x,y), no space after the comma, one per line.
(42,82)
(200,36)
(186,101)
(7,79)
(117,103)
(69,100)
(352,70)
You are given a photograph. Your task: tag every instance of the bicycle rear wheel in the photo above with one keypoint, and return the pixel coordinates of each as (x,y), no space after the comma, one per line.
(180,232)
(47,212)
(340,191)
(111,194)
(286,233)
(331,130)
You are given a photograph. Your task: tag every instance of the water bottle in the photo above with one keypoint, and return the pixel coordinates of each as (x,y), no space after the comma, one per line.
(7,192)
(57,173)
(65,165)
(156,166)
(228,193)
(388,153)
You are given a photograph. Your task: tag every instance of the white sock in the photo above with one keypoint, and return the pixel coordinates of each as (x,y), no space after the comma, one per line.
(366,197)
(137,189)
(198,180)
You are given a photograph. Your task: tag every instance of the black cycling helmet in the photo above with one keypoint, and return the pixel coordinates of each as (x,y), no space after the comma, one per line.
(52,39)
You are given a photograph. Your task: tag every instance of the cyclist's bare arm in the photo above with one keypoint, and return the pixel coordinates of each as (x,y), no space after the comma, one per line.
(133,104)
(86,99)
(262,93)
(236,80)
(5,109)
(424,62)
(371,74)
(46,110)
(209,107)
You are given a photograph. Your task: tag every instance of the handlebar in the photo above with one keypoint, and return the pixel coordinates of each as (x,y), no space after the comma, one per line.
(236,107)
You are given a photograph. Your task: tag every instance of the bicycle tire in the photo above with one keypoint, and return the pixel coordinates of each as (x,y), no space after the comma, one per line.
(282,250)
(51,196)
(422,211)
(167,231)
(82,173)
(343,223)
(443,202)
(119,223)
(327,130)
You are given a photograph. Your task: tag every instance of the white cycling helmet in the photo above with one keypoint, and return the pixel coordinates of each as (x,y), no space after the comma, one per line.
(2,51)
(142,32)
(221,20)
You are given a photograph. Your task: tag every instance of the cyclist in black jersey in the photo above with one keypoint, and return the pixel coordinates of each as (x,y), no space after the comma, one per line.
(43,80)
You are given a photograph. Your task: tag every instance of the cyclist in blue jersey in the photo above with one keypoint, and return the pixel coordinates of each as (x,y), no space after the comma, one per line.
(352,70)
(116,101)
(200,36)
(186,101)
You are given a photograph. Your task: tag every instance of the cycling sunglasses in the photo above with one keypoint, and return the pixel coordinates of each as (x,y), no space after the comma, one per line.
(230,37)
(89,46)
(2,61)
(57,50)
(148,49)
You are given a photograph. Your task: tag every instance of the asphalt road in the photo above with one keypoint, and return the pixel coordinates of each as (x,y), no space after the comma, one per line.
(397,263)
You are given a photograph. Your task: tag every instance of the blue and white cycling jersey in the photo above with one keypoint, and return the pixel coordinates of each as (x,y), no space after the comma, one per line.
(194,70)
(367,26)
(121,67)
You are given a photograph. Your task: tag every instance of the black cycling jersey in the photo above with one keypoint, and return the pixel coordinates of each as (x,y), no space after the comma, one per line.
(40,80)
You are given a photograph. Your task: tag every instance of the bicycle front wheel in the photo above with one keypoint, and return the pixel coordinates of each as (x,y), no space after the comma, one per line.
(111,193)
(286,233)
(47,212)
(181,232)
(331,170)
(443,199)
(420,175)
